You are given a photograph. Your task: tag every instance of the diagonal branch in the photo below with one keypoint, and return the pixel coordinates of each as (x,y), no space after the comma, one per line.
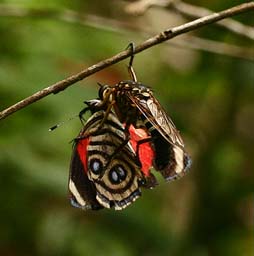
(159,38)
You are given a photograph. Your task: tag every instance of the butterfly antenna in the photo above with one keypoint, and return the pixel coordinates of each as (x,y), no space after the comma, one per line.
(130,67)
(61,123)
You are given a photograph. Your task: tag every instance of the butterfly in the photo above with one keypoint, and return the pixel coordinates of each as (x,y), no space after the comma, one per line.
(128,133)
(105,171)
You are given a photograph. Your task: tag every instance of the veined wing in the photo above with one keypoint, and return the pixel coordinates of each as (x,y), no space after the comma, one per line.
(156,115)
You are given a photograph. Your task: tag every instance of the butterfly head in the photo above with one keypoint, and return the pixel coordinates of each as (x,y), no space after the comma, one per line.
(106,93)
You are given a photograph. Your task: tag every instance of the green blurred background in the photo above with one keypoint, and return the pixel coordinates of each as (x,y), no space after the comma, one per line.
(210,97)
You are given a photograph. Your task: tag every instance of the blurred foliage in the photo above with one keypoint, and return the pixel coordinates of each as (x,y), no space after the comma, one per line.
(210,98)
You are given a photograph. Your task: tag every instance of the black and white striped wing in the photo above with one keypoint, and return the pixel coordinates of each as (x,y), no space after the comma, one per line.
(152,110)
(110,182)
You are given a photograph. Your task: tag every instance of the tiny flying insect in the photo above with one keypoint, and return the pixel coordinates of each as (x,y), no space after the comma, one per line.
(134,104)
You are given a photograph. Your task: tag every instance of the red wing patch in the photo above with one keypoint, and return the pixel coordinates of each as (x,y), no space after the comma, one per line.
(146,153)
(82,151)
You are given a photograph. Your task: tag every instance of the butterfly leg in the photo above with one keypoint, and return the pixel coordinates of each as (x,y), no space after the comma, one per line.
(82,113)
(93,106)
(104,117)
(130,67)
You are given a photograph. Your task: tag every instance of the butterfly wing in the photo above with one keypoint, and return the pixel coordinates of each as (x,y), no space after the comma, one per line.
(82,191)
(152,110)
(170,157)
(105,171)
(140,142)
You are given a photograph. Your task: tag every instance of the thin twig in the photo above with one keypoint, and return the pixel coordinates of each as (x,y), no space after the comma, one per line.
(191,11)
(197,43)
(159,38)
(234,26)
(121,27)
(189,41)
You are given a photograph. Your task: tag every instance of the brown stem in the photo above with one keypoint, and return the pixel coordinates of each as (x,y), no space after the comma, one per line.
(159,38)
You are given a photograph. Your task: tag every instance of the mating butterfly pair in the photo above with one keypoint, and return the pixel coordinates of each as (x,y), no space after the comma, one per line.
(127,134)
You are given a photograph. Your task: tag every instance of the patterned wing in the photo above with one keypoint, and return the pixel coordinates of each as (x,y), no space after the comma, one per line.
(170,158)
(141,143)
(108,165)
(156,115)
(82,191)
